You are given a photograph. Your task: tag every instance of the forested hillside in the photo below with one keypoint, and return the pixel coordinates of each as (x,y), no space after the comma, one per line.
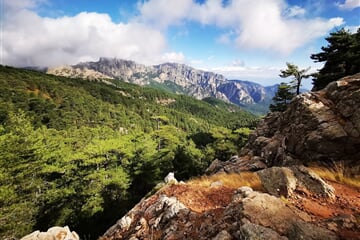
(81,153)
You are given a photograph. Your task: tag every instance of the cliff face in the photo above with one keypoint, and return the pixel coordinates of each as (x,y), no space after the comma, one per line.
(280,199)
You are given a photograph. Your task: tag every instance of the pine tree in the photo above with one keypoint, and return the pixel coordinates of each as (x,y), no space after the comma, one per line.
(341,57)
(282,98)
(293,70)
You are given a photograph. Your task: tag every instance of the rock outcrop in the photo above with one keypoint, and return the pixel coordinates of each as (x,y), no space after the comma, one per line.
(283,181)
(54,233)
(318,127)
(236,214)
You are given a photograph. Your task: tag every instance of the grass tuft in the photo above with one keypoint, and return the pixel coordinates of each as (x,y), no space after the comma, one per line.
(231,180)
(336,175)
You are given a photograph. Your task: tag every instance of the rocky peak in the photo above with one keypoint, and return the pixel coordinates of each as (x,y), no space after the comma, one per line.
(194,82)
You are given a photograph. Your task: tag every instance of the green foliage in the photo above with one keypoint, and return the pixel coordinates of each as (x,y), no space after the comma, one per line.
(82,153)
(282,98)
(296,73)
(341,57)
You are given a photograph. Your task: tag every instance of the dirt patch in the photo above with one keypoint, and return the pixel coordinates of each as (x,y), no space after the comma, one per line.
(347,201)
(201,199)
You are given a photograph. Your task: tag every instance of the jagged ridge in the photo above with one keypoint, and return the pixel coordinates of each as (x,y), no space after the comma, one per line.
(185,80)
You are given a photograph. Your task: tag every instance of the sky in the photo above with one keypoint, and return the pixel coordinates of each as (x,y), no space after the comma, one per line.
(241,39)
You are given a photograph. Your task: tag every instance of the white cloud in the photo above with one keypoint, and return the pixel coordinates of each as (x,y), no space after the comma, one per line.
(162,13)
(248,73)
(349,4)
(295,11)
(267,24)
(352,29)
(264,75)
(177,57)
(29,39)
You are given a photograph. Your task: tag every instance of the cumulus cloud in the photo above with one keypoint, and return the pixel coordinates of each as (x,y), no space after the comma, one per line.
(349,4)
(29,39)
(266,24)
(249,73)
(162,13)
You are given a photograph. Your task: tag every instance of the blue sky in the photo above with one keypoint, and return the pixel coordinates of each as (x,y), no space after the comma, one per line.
(242,39)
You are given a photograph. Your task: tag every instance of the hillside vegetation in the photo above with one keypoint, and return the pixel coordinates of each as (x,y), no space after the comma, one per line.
(81,153)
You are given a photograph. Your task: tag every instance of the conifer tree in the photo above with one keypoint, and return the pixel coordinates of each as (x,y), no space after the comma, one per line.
(341,57)
(282,98)
(293,70)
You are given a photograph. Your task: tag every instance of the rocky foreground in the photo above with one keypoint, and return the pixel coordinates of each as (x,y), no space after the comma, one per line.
(287,201)
(298,205)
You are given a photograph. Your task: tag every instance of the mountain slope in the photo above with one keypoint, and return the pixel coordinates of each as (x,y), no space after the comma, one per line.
(180,78)
(76,152)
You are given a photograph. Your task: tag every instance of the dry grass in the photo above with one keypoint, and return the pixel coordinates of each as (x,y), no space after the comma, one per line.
(232,180)
(336,175)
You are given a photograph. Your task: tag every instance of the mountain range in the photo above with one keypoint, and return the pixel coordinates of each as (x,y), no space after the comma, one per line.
(176,78)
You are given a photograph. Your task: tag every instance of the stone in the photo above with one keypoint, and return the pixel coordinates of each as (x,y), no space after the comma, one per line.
(216,184)
(163,210)
(278,181)
(54,233)
(215,167)
(223,235)
(250,231)
(170,178)
(302,230)
(244,191)
(313,182)
(267,211)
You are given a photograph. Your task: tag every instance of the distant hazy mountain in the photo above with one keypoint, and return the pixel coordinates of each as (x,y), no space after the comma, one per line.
(178,78)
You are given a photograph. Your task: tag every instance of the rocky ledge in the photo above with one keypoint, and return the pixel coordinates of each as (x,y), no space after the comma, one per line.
(298,205)
(320,127)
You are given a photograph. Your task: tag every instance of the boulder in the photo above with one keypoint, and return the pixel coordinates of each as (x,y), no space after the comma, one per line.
(278,181)
(54,233)
(267,211)
(250,231)
(223,235)
(170,178)
(312,182)
(283,181)
(303,230)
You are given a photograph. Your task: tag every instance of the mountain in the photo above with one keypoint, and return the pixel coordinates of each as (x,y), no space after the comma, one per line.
(296,178)
(180,79)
